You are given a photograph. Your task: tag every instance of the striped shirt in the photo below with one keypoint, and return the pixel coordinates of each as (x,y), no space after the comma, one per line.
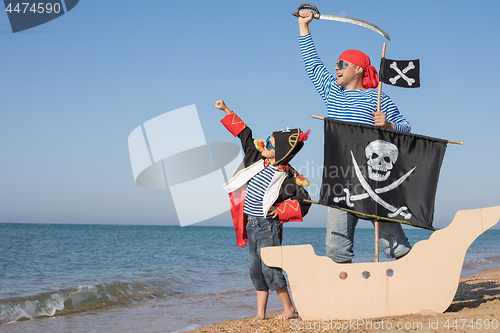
(257,187)
(355,106)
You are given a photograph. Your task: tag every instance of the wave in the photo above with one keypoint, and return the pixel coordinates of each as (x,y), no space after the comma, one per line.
(477,262)
(48,306)
(478,265)
(90,297)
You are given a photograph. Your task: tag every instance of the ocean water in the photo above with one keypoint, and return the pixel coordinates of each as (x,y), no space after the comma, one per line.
(80,278)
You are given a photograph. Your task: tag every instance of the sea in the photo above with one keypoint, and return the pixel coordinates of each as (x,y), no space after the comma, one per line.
(123,278)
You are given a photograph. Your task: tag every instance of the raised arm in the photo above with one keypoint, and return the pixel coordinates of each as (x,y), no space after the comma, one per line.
(320,77)
(222,106)
(238,128)
(305,17)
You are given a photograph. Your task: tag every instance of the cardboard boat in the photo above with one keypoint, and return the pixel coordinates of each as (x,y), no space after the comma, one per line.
(426,279)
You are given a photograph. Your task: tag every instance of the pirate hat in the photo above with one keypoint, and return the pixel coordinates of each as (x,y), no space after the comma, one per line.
(288,143)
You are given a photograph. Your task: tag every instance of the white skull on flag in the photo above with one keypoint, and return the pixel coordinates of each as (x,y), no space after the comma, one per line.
(381,157)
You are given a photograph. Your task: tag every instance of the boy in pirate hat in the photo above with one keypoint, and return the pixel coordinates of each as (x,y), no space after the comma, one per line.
(264,194)
(349,96)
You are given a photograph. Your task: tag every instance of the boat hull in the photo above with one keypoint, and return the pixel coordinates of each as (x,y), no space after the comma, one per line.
(426,279)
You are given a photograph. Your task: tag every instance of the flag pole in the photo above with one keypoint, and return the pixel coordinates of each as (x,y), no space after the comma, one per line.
(379,107)
(379,96)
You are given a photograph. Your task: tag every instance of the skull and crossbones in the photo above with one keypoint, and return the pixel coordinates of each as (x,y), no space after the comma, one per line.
(381,156)
(401,73)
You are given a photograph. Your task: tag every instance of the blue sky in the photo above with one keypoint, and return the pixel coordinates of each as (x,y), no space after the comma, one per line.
(74,88)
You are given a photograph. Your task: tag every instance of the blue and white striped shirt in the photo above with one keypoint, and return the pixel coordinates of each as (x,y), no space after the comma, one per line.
(257,187)
(355,106)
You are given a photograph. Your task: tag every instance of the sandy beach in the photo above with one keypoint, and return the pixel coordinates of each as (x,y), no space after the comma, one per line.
(475,308)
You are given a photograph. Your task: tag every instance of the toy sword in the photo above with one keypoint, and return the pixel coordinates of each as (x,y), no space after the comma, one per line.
(351,20)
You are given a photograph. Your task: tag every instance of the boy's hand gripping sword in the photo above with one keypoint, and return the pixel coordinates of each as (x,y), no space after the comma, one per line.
(351,20)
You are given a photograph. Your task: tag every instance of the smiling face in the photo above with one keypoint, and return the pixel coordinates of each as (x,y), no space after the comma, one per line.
(269,153)
(351,77)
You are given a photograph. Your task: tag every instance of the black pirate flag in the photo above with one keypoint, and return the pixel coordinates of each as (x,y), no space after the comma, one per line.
(381,172)
(401,73)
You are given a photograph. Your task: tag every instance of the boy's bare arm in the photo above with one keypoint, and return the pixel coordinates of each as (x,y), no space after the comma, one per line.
(305,17)
(222,106)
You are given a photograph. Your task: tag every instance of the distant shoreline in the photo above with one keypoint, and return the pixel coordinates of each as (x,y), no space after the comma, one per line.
(303,226)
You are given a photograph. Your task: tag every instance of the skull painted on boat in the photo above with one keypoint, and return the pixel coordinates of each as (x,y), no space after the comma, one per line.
(381,157)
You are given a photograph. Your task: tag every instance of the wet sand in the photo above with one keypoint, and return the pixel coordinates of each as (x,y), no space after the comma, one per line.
(475,308)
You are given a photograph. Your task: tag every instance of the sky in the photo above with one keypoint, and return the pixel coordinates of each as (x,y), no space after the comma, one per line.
(73,89)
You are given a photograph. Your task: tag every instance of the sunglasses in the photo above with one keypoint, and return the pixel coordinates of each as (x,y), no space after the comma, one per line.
(342,64)
(268,144)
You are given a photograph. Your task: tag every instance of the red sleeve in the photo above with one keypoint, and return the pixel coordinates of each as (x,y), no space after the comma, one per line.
(233,123)
(289,211)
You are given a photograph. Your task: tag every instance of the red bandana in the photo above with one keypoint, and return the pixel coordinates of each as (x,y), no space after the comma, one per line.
(370,79)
